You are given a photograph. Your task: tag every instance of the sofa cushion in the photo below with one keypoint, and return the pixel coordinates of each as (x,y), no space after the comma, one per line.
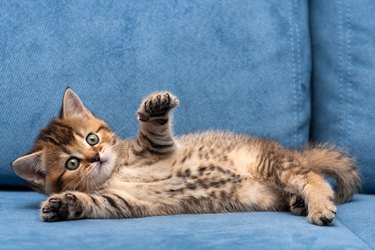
(21,228)
(240,66)
(359,217)
(343,90)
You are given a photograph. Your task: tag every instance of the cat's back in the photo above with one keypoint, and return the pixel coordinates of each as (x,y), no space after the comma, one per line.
(225,149)
(216,139)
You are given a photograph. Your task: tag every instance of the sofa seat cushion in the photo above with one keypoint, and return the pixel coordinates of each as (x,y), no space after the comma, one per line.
(21,228)
(359,216)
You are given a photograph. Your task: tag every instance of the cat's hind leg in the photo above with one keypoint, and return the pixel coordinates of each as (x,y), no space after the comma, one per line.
(315,192)
(283,171)
(155,133)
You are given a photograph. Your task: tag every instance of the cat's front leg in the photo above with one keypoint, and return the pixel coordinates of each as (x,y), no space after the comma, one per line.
(155,133)
(79,205)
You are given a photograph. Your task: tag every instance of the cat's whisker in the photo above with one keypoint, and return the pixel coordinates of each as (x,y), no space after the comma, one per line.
(93,184)
(93,180)
(86,173)
(72,181)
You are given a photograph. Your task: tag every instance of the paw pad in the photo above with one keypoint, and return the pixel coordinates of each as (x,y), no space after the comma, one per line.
(58,207)
(157,105)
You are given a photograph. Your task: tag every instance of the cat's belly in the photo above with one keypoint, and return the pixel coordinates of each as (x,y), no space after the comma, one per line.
(201,189)
(201,177)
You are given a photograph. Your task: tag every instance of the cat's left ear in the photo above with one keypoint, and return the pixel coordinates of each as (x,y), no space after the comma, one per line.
(30,167)
(73,106)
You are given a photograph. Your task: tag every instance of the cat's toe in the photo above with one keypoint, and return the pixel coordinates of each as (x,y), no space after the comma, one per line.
(323,215)
(161,103)
(57,207)
(53,210)
(170,101)
(70,198)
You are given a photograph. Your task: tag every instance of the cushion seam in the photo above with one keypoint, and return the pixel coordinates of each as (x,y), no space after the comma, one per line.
(344,74)
(349,73)
(293,41)
(341,42)
(299,74)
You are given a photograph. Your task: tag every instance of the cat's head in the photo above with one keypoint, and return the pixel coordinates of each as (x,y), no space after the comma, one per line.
(74,152)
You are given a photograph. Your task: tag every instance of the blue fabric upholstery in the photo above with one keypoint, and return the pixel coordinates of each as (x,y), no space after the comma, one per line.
(228,72)
(22,229)
(358,216)
(243,66)
(343,41)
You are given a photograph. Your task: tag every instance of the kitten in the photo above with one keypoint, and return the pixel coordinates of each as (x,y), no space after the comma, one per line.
(91,173)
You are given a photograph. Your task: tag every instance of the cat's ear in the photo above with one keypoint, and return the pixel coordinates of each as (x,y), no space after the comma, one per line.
(73,106)
(31,168)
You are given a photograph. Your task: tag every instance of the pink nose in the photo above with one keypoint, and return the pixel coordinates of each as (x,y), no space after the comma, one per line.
(95,158)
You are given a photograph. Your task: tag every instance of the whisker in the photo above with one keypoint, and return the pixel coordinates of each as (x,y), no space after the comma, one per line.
(85,175)
(73,181)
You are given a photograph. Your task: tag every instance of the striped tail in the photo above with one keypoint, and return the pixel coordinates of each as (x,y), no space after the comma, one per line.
(329,161)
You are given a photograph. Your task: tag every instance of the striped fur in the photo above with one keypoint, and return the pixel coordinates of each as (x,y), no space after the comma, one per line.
(160,174)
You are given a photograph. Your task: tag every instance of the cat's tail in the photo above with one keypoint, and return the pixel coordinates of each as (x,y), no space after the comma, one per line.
(330,161)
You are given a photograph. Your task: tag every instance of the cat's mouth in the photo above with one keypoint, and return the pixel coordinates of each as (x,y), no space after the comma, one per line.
(101,166)
(101,163)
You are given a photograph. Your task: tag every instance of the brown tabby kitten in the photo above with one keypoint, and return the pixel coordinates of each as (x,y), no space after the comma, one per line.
(91,173)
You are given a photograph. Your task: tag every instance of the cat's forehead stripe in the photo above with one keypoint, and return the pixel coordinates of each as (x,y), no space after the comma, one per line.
(57,133)
(102,127)
(79,134)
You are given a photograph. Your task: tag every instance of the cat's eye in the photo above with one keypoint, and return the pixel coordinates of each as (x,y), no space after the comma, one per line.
(92,139)
(72,163)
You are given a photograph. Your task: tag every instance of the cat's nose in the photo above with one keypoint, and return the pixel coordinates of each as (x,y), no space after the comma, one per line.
(95,158)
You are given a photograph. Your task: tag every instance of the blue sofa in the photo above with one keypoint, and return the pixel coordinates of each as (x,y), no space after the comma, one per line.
(294,71)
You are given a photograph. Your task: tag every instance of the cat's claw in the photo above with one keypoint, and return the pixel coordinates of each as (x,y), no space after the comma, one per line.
(157,105)
(59,207)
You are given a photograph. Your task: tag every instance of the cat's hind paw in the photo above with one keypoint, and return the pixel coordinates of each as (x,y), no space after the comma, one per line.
(322,214)
(61,207)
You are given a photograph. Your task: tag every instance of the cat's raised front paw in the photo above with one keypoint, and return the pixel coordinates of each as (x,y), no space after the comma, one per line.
(61,207)
(322,214)
(157,105)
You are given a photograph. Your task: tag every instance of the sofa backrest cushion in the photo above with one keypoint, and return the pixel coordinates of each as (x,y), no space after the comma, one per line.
(241,66)
(343,40)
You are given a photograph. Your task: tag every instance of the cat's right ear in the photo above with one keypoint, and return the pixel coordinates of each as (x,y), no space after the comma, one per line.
(73,106)
(31,168)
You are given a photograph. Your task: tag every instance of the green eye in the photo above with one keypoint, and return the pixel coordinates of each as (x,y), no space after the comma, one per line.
(72,163)
(92,139)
